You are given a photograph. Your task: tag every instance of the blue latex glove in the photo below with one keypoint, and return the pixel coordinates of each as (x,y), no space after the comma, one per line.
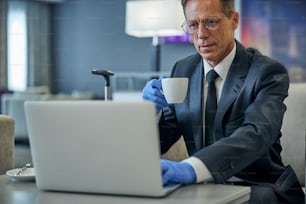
(177,172)
(152,92)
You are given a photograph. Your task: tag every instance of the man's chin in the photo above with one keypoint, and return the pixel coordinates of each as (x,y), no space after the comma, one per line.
(210,59)
(207,56)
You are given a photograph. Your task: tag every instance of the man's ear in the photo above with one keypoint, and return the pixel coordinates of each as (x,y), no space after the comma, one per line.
(235,20)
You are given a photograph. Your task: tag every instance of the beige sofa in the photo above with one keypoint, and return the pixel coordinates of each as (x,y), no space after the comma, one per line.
(6,143)
(13,105)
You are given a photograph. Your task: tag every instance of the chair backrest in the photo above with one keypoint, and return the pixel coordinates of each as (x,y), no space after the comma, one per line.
(6,143)
(13,106)
(294,130)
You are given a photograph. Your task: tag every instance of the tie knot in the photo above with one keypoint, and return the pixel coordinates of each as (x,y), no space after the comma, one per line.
(211,76)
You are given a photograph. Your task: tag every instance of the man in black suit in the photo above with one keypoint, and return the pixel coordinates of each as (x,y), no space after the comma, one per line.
(239,142)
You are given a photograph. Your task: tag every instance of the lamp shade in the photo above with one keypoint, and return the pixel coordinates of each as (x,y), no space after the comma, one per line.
(147,18)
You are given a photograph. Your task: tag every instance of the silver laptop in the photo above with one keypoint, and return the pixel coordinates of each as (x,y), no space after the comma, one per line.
(96,147)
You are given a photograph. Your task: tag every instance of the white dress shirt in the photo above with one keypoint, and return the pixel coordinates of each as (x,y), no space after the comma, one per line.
(202,173)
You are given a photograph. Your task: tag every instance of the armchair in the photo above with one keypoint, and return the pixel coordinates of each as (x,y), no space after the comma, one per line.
(294,130)
(6,143)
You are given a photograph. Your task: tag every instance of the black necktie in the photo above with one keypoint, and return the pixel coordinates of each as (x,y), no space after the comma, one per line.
(211,107)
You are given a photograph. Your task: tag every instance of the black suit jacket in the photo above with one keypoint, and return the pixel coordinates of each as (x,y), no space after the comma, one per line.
(247,123)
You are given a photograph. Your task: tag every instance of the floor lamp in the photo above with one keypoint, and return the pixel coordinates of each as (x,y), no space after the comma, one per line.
(154,18)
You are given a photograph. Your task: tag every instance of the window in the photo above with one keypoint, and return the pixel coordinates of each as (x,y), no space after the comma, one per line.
(17,46)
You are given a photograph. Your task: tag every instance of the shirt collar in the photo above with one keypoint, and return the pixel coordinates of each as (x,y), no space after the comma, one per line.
(223,67)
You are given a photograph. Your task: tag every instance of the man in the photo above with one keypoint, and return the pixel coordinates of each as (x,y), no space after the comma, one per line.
(240,141)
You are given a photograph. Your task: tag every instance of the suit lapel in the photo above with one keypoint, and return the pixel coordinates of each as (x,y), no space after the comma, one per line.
(233,83)
(195,104)
(189,114)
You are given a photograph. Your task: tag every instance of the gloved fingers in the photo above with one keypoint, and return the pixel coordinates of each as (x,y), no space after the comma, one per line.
(152,92)
(155,95)
(152,88)
(157,92)
(160,99)
(164,165)
(156,83)
(186,173)
(177,172)
(167,171)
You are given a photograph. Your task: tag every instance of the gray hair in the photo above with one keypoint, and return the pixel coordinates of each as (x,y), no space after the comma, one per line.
(228,6)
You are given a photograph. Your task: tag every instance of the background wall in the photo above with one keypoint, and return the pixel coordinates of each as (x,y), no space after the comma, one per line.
(90,34)
(278,30)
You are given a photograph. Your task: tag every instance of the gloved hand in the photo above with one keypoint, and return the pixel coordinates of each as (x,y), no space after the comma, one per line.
(177,172)
(152,92)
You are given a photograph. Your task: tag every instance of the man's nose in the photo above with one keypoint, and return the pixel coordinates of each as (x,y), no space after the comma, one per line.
(203,32)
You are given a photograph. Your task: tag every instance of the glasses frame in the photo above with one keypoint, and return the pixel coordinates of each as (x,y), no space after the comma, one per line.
(207,22)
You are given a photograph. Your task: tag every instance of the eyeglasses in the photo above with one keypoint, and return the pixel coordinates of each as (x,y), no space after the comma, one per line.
(210,23)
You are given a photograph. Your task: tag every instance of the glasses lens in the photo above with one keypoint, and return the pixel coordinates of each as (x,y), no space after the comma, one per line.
(212,23)
(190,27)
(185,27)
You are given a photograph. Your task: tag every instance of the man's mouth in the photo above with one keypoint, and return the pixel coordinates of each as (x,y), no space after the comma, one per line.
(205,47)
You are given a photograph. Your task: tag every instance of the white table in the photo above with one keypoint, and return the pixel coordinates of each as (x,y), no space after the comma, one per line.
(12,192)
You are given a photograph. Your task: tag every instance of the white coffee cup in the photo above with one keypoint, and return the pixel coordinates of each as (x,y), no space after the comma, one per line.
(175,89)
